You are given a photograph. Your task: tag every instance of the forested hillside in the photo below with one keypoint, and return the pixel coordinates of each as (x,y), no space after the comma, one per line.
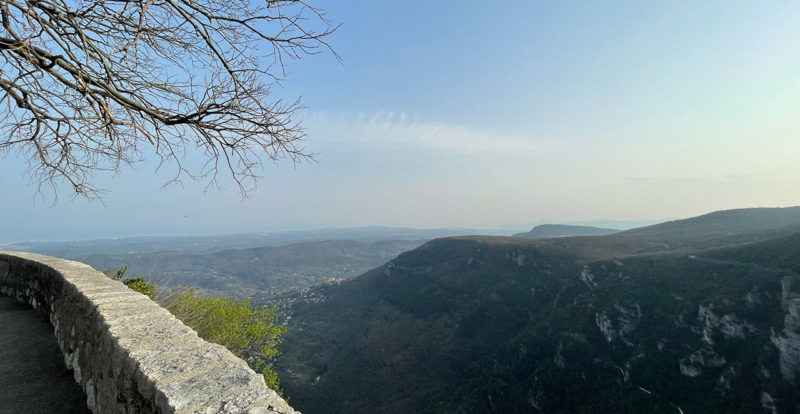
(693,316)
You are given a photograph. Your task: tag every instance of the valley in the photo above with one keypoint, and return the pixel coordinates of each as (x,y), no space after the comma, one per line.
(262,266)
(697,315)
(693,315)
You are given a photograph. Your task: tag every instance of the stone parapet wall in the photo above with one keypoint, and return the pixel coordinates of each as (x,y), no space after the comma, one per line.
(129,354)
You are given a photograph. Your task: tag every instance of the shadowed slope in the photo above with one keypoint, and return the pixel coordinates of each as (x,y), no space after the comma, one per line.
(691,318)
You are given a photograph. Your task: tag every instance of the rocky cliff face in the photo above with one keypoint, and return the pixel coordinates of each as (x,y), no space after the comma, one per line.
(494,325)
(788,339)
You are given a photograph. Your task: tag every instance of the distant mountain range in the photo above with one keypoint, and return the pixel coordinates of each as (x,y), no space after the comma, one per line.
(696,315)
(77,249)
(256,265)
(257,272)
(564,230)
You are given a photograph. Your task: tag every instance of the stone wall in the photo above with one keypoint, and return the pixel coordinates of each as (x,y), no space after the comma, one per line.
(129,354)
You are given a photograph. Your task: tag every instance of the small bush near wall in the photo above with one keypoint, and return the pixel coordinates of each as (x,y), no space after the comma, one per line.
(251,334)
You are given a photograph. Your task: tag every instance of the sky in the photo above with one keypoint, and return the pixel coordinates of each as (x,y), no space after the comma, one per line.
(487,115)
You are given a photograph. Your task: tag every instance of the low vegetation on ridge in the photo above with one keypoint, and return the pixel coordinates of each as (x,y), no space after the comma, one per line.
(249,333)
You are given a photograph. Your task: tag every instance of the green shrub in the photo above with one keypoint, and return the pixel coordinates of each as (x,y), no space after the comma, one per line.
(251,334)
(138,284)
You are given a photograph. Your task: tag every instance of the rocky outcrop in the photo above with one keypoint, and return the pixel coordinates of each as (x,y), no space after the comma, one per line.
(692,366)
(128,353)
(707,358)
(788,340)
(688,370)
(587,277)
(627,320)
(603,322)
(729,324)
(768,403)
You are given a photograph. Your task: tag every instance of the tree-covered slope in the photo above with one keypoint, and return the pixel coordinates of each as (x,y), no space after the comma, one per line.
(507,325)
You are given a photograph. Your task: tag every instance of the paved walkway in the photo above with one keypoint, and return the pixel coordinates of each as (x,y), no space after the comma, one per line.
(33,378)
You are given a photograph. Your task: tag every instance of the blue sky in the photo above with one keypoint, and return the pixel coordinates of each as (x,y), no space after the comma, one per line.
(473,114)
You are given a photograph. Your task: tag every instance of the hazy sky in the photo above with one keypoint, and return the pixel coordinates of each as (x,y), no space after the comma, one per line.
(480,114)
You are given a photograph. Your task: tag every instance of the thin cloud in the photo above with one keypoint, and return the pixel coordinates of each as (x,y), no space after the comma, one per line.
(729,179)
(393,130)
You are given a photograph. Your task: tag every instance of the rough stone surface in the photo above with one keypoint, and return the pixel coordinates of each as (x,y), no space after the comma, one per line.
(127,353)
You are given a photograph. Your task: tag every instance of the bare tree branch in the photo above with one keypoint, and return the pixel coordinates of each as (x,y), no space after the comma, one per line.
(92,85)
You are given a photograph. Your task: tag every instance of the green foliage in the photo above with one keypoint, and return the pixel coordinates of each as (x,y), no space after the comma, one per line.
(121,273)
(249,333)
(138,284)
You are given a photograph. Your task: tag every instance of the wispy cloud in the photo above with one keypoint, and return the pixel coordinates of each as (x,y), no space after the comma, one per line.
(729,179)
(674,181)
(393,130)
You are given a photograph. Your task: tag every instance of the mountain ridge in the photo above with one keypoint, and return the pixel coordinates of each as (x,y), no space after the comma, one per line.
(564,230)
(501,324)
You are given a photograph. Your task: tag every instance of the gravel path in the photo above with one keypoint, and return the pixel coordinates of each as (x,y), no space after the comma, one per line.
(33,378)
